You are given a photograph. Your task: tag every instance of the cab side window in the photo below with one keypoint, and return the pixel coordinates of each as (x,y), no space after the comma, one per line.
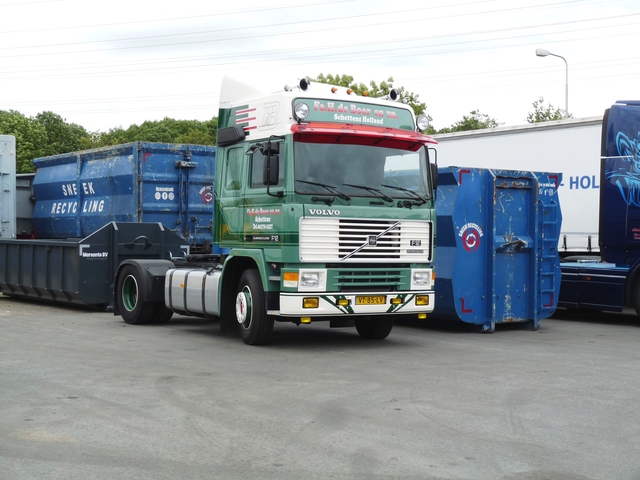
(233,179)
(257,165)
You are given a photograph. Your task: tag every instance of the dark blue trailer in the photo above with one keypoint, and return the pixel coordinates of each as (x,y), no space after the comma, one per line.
(612,281)
(95,210)
(82,271)
(497,258)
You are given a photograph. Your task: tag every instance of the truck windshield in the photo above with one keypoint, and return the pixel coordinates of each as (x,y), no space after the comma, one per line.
(360,171)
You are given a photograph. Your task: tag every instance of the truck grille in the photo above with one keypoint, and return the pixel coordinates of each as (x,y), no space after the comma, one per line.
(372,278)
(325,239)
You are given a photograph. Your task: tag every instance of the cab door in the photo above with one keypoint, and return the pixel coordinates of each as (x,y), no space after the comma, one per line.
(263,202)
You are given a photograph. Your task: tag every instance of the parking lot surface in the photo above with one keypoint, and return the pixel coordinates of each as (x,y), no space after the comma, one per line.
(83,395)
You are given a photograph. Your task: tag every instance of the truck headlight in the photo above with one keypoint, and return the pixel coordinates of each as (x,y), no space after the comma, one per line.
(421,279)
(312,280)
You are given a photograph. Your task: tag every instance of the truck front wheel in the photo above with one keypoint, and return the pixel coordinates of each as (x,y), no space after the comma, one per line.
(374,328)
(251,312)
(129,292)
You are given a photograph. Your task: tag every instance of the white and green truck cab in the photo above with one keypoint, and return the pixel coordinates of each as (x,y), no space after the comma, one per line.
(323,209)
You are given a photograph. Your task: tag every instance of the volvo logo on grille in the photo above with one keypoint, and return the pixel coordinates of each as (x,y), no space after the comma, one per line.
(323,211)
(371,241)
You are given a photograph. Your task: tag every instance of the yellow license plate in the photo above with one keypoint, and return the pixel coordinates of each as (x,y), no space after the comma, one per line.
(371,300)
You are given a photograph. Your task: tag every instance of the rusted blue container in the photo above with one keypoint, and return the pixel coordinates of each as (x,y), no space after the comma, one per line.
(496,258)
(78,193)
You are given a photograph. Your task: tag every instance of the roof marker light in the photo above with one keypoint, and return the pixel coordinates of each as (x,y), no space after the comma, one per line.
(304,84)
(334,89)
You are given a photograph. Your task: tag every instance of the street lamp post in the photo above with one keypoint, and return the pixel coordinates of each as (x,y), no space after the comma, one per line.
(541,52)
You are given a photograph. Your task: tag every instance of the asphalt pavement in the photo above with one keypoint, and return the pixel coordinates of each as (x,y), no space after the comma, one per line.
(85,396)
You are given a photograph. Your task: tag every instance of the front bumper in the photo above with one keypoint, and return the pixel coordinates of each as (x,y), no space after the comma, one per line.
(332,304)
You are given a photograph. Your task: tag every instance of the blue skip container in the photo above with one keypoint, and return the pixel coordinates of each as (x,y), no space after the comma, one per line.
(496,250)
(78,193)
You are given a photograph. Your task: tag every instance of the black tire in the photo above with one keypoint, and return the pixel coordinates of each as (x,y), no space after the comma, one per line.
(251,312)
(129,293)
(162,314)
(374,328)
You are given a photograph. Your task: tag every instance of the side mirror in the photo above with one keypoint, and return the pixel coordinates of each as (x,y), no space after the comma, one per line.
(230,135)
(433,170)
(434,177)
(270,148)
(270,170)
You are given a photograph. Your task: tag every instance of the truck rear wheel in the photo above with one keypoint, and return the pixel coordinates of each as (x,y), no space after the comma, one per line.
(129,293)
(251,311)
(374,328)
(162,314)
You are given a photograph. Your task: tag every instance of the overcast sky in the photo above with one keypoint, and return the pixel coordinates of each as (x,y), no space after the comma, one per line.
(103,64)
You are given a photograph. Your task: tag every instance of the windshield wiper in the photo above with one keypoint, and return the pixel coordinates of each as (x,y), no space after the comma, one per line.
(331,188)
(380,193)
(327,200)
(408,203)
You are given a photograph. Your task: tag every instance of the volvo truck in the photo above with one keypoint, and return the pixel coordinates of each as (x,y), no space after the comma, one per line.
(318,215)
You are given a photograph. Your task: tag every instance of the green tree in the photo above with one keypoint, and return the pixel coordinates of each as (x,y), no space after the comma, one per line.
(62,137)
(43,135)
(197,137)
(546,114)
(31,138)
(212,128)
(156,131)
(167,130)
(115,136)
(474,121)
(375,90)
(49,134)
(345,81)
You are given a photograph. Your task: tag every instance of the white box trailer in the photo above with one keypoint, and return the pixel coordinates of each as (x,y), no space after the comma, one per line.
(570,147)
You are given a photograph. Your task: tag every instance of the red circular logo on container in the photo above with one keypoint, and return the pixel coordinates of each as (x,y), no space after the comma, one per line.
(471,234)
(207,195)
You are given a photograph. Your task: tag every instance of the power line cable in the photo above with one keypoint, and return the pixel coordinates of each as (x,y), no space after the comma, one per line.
(324,28)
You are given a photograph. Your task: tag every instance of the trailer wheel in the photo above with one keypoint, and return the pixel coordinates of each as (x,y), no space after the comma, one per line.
(374,328)
(133,310)
(251,312)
